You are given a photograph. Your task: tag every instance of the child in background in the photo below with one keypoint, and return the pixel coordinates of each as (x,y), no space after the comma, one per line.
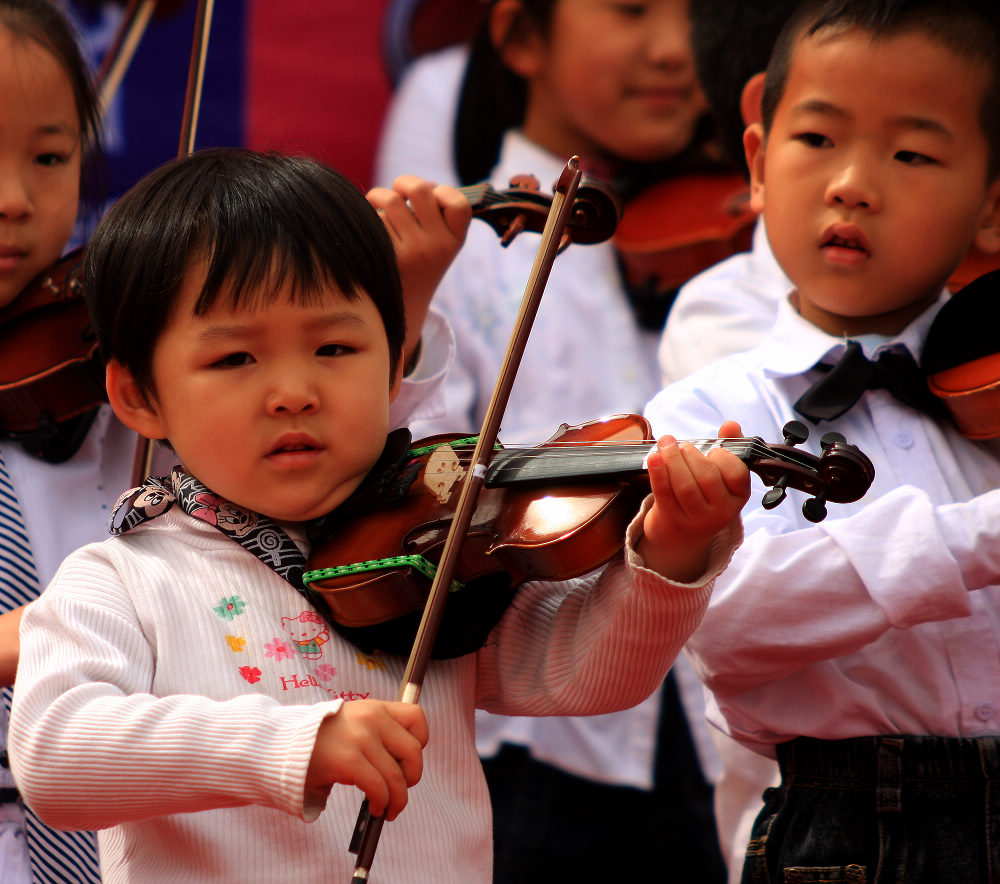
(614,84)
(249,312)
(49,140)
(59,487)
(863,652)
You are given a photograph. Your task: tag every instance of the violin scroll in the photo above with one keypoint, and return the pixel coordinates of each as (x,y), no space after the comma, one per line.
(594,215)
(841,474)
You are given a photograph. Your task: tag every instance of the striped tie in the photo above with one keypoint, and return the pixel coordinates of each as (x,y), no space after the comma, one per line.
(56,857)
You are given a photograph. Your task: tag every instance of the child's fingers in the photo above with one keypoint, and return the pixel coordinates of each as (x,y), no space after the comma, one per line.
(734,472)
(730,430)
(394,210)
(385,786)
(455,209)
(696,484)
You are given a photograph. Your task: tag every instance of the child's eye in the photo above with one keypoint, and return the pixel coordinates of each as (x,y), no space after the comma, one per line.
(50,159)
(333,350)
(813,139)
(633,10)
(233,360)
(912,158)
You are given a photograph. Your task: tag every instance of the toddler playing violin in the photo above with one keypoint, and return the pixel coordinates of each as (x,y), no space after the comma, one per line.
(60,479)
(176,689)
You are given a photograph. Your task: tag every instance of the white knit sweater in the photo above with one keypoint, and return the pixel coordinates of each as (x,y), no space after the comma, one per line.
(161,698)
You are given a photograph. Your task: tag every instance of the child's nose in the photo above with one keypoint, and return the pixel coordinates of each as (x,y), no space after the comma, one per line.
(292,395)
(15,201)
(854,187)
(668,38)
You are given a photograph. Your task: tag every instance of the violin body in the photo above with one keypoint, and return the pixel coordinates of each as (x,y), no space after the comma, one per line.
(557,534)
(677,228)
(49,372)
(961,357)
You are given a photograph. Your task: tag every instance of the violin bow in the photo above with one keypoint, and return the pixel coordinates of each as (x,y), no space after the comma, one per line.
(142,465)
(369,827)
(123,48)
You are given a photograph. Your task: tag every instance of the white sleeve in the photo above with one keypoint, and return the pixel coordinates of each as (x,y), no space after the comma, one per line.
(596,644)
(84,724)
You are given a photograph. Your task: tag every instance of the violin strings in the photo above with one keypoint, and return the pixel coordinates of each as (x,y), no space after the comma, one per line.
(582,449)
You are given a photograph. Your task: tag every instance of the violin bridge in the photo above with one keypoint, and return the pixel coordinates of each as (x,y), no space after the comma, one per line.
(443,472)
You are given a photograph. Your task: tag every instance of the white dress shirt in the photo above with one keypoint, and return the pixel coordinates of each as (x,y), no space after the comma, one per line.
(884,617)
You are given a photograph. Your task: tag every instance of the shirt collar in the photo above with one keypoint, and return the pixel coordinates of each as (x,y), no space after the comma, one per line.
(795,345)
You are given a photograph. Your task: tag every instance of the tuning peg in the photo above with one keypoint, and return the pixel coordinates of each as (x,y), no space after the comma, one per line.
(814,509)
(775,495)
(795,432)
(831,439)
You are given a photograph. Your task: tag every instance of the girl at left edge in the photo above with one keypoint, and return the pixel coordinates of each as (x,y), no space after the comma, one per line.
(50,151)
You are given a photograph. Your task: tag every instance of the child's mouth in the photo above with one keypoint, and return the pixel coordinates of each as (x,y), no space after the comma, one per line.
(841,243)
(295,451)
(844,248)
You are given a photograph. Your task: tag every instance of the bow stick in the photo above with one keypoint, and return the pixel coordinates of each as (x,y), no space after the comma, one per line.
(123,47)
(369,827)
(142,465)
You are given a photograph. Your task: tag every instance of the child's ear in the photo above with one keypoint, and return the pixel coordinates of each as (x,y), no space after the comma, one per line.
(988,235)
(753,144)
(750,97)
(516,40)
(130,404)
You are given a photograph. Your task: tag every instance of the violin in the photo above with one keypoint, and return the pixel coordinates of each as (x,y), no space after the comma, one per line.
(961,357)
(675,229)
(49,371)
(552,511)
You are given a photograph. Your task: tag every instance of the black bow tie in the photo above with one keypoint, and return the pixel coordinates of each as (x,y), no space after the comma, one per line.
(844,384)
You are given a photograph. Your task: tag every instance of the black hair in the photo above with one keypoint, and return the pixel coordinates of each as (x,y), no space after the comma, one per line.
(258,220)
(42,22)
(968,28)
(493,98)
(731,40)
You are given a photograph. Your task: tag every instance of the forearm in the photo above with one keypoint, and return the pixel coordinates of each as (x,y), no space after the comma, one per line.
(10,645)
(598,644)
(792,599)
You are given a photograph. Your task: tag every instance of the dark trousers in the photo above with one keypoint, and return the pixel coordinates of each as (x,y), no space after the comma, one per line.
(551,827)
(881,810)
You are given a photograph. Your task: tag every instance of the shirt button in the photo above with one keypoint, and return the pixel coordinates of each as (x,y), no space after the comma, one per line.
(984,711)
(903,439)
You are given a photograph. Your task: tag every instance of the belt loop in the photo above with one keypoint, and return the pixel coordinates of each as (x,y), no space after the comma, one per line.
(889,797)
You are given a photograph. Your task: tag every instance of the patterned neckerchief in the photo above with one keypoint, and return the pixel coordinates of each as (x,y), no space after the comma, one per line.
(258,534)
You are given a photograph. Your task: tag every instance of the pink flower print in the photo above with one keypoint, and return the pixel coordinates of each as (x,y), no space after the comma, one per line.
(230,607)
(326,672)
(279,649)
(250,673)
